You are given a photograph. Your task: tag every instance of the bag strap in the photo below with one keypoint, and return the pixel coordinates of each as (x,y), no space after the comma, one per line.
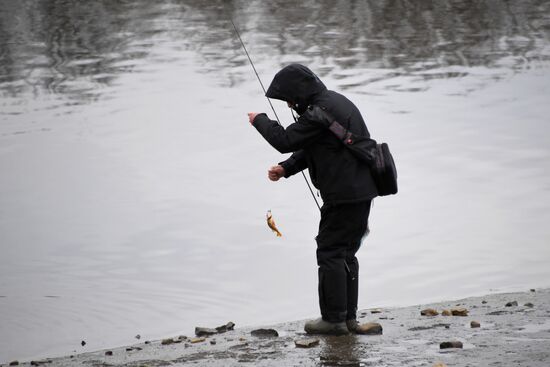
(362,147)
(341,132)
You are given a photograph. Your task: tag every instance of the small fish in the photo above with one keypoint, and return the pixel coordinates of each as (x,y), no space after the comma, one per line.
(271,223)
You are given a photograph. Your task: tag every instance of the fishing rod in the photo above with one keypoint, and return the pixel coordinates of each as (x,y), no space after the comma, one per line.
(272,108)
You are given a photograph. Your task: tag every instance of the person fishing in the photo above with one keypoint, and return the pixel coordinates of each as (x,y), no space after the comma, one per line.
(345,183)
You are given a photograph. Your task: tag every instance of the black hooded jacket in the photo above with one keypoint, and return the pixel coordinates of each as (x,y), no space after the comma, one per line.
(335,172)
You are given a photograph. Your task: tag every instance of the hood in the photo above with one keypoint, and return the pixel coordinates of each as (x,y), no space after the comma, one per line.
(297,84)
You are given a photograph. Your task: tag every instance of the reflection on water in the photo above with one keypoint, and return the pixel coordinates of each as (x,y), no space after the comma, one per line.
(76,48)
(132,194)
(342,351)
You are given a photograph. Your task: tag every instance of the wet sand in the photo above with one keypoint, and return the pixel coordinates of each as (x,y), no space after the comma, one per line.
(509,335)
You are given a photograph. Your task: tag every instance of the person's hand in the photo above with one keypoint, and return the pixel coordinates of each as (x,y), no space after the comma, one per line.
(275,173)
(252,116)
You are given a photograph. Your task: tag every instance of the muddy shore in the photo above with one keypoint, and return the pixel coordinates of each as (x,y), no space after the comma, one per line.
(514,330)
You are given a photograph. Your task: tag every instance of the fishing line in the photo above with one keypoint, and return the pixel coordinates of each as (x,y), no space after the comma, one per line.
(277,117)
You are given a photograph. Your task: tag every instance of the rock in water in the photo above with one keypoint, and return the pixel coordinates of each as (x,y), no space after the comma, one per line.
(475,324)
(306,343)
(452,344)
(429,312)
(265,333)
(511,304)
(83,343)
(446,313)
(459,311)
(204,331)
(370,328)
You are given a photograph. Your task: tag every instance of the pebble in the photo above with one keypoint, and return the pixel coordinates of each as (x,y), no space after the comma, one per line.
(109,353)
(197,340)
(213,341)
(511,304)
(429,312)
(376,311)
(167,341)
(370,328)
(483,302)
(147,342)
(460,311)
(83,343)
(475,324)
(14,363)
(529,304)
(451,344)
(264,333)
(306,343)
(446,313)
(137,337)
(532,290)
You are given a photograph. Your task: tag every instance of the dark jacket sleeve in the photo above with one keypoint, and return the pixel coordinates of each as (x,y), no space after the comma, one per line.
(295,137)
(295,163)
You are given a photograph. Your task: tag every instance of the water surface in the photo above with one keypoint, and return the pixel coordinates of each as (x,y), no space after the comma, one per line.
(133,190)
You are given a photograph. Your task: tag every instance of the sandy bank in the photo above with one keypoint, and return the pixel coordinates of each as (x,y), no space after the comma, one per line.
(513,335)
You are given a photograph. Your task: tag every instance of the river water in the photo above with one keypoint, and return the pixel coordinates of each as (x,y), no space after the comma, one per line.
(133,191)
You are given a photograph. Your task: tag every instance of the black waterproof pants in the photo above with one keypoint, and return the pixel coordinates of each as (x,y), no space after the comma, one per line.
(340,232)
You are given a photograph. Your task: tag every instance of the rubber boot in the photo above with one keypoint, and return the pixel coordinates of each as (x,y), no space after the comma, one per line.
(321,326)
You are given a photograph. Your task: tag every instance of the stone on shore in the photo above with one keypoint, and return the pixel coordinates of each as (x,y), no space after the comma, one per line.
(204,331)
(475,324)
(451,344)
(109,353)
(529,304)
(369,328)
(306,343)
(446,313)
(227,327)
(167,341)
(511,304)
(197,340)
(429,312)
(376,311)
(459,311)
(14,363)
(265,333)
